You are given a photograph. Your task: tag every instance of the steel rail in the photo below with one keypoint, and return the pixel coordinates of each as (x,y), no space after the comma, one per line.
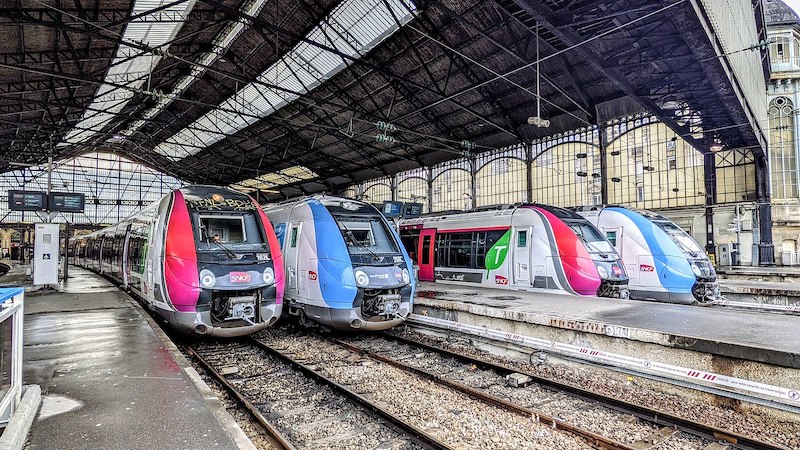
(279,438)
(649,414)
(423,437)
(598,440)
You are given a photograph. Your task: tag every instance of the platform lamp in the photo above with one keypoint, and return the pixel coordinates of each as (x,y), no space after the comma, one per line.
(716,146)
(537,120)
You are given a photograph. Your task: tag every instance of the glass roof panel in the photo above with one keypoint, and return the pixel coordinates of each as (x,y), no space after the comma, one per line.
(276,179)
(353,28)
(131,66)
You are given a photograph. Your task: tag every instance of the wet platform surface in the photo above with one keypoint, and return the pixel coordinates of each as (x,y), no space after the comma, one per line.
(759,336)
(108,381)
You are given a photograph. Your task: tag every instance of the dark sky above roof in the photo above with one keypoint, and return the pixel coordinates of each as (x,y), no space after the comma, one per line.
(459,70)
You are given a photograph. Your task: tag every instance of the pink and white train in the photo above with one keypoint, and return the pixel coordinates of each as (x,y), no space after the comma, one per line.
(526,247)
(205,259)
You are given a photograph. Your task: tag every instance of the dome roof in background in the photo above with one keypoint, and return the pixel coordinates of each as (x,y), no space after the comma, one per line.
(778,13)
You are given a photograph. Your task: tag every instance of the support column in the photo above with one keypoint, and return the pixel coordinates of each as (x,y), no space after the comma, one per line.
(528,172)
(766,249)
(430,189)
(603,136)
(710,168)
(473,171)
(393,187)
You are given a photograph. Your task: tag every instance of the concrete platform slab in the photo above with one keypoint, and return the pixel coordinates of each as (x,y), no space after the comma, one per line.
(108,381)
(753,336)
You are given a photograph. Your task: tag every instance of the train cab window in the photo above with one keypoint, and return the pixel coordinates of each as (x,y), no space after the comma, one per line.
(225,229)
(612,237)
(366,234)
(522,238)
(293,241)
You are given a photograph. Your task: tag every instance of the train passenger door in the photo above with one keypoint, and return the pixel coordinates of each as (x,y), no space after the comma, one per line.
(290,258)
(521,243)
(425,254)
(125,252)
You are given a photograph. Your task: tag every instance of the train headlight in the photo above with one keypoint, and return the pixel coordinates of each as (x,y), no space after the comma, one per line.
(207,278)
(361,278)
(406,276)
(602,272)
(268,276)
(696,270)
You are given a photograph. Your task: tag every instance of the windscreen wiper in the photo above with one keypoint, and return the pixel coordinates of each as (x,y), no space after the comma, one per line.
(208,240)
(352,238)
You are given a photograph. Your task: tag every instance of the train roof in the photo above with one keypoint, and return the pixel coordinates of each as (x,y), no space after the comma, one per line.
(493,211)
(650,215)
(340,205)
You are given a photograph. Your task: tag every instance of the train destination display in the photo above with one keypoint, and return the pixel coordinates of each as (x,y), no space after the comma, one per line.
(27,200)
(66,202)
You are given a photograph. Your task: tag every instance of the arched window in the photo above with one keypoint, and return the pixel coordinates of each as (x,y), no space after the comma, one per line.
(782,154)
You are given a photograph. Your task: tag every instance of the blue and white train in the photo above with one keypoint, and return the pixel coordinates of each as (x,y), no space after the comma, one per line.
(346,267)
(663,262)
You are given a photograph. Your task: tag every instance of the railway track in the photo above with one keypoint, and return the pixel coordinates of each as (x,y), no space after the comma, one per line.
(433,395)
(358,372)
(434,361)
(299,407)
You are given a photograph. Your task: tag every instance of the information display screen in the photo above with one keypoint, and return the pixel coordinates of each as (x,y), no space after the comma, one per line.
(66,202)
(412,210)
(27,201)
(392,209)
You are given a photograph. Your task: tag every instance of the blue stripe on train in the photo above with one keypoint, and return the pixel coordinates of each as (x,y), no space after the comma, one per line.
(672,267)
(335,271)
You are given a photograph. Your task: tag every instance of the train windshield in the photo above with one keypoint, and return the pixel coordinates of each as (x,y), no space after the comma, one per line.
(229,230)
(594,241)
(365,235)
(680,237)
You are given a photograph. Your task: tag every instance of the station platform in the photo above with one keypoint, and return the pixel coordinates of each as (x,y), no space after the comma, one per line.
(750,355)
(110,380)
(746,335)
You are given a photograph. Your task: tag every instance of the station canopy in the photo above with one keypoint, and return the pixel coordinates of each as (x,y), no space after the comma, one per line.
(291,96)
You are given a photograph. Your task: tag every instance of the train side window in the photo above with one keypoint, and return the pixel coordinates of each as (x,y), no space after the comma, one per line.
(522,238)
(293,241)
(426,250)
(460,251)
(612,237)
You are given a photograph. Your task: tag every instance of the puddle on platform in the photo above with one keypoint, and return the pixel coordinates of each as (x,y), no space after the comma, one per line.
(53,405)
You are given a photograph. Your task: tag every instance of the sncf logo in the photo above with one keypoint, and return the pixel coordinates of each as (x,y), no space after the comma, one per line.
(312,275)
(500,280)
(240,277)
(646,268)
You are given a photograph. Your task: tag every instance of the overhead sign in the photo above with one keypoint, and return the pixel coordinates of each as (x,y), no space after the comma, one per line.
(27,201)
(392,209)
(412,210)
(66,202)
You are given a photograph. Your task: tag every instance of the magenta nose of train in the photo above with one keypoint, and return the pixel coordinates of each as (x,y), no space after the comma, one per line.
(180,258)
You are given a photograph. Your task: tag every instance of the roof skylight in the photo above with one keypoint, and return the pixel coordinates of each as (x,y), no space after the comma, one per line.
(220,45)
(276,179)
(353,28)
(131,66)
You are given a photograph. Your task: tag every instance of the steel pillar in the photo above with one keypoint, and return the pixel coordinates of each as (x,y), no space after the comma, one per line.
(710,167)
(528,172)
(603,141)
(766,249)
